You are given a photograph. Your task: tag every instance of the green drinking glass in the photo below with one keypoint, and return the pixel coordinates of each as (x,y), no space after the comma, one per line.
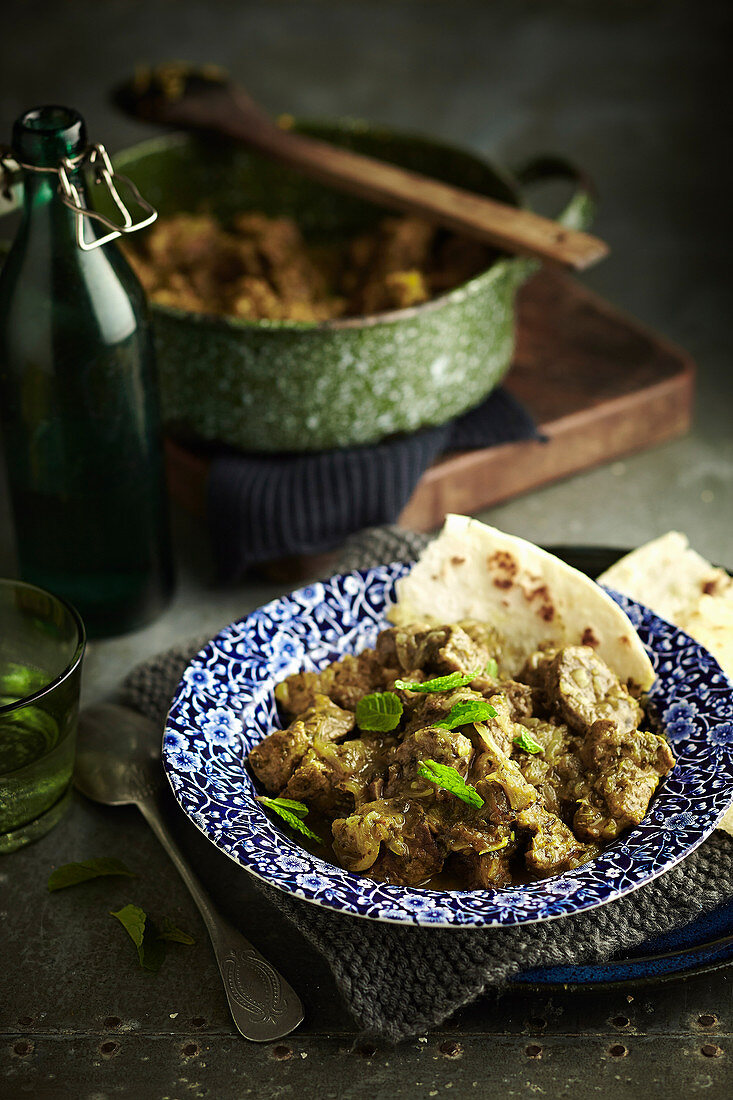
(41,648)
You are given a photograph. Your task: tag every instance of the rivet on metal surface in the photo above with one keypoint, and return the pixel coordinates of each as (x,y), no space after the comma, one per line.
(109,1048)
(533,1051)
(711,1050)
(707,1019)
(112,1021)
(25,1021)
(198,1021)
(620,1021)
(22,1048)
(190,1050)
(282,1053)
(537,1022)
(618,1050)
(451,1049)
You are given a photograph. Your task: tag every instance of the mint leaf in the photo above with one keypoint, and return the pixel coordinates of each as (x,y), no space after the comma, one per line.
(291,816)
(527,743)
(169,931)
(149,939)
(132,918)
(298,808)
(440,683)
(72,873)
(380,712)
(464,713)
(492,668)
(442,775)
(150,948)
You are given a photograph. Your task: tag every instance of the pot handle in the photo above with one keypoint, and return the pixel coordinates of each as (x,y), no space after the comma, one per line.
(580,210)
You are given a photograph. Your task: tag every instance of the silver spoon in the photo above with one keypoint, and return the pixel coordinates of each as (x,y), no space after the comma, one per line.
(118,764)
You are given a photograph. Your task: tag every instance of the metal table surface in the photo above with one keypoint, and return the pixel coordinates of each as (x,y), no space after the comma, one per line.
(629,90)
(81,1019)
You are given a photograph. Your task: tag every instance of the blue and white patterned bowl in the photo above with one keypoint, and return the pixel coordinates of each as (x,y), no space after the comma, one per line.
(225,704)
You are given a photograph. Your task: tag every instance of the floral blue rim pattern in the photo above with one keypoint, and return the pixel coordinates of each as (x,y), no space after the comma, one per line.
(225,704)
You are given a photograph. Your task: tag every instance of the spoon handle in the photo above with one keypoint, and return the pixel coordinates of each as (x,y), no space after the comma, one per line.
(518,231)
(263,1006)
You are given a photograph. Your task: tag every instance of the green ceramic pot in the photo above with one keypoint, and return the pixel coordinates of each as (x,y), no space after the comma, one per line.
(291,386)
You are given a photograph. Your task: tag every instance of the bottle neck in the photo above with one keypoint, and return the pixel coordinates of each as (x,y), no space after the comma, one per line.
(44,208)
(43,138)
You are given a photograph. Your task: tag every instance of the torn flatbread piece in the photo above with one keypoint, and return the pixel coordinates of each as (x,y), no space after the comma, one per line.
(529,598)
(676,582)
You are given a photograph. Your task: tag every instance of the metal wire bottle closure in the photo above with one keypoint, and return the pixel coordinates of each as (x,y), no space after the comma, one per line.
(96,158)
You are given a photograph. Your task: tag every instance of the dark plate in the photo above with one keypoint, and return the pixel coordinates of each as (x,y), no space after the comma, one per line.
(704,944)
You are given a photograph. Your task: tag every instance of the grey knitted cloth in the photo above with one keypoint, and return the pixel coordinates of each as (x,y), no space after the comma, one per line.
(401,982)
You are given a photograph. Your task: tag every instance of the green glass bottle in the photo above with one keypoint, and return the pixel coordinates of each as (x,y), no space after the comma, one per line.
(78,398)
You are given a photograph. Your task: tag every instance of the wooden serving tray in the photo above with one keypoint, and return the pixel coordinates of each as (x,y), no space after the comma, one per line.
(598,383)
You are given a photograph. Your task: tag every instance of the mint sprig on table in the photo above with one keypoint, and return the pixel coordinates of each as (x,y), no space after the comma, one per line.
(379,712)
(462,714)
(291,812)
(149,939)
(71,874)
(448,683)
(449,779)
(527,743)
(169,931)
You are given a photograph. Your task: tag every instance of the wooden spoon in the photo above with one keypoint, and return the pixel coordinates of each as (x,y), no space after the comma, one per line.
(206,99)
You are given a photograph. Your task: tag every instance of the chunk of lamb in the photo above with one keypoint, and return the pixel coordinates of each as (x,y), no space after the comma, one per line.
(344,682)
(333,779)
(605,744)
(390,837)
(448,747)
(439,650)
(482,872)
(274,759)
(451,649)
(480,853)
(499,730)
(580,688)
(357,839)
(396,646)
(425,708)
(557,772)
(519,698)
(553,847)
(479,840)
(614,803)
(624,769)
(421,858)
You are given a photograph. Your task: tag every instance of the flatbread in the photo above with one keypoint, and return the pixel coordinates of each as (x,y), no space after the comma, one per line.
(529,597)
(681,586)
(668,576)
